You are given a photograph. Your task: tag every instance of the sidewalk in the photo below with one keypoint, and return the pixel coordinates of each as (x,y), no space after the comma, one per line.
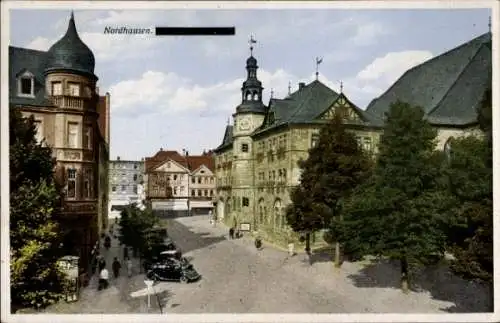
(116,299)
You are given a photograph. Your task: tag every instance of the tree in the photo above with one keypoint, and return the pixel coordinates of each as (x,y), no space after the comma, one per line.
(471,182)
(400,212)
(335,166)
(134,226)
(36,280)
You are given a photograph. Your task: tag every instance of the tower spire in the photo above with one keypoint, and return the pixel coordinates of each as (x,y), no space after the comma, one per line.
(251,42)
(272,93)
(341,87)
(489,24)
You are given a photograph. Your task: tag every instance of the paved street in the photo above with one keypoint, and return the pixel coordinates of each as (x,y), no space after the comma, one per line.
(237,278)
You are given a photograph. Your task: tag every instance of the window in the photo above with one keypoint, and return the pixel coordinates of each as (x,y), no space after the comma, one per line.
(74,89)
(206,192)
(124,188)
(135,177)
(314,139)
(26,85)
(182,190)
(246,201)
(205,180)
(87,176)
(72,135)
(199,192)
(71,183)
(87,138)
(57,88)
(244,148)
(135,166)
(175,190)
(367,143)
(211,180)
(199,180)
(211,192)
(113,189)
(135,189)
(193,193)
(193,180)
(175,177)
(39,131)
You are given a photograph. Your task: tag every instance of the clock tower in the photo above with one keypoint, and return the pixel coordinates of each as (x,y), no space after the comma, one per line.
(249,116)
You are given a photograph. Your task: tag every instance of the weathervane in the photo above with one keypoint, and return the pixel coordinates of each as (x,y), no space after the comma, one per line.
(341,86)
(318,61)
(489,24)
(289,87)
(251,42)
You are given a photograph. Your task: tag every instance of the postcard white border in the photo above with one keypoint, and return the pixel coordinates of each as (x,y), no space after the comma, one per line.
(80,5)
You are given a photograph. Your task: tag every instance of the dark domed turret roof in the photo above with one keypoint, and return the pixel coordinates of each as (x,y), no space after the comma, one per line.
(251,62)
(71,53)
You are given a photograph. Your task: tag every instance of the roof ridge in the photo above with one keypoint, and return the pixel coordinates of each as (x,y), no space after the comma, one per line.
(27,49)
(299,108)
(455,81)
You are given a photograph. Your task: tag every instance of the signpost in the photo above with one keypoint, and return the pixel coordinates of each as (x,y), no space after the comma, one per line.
(149,284)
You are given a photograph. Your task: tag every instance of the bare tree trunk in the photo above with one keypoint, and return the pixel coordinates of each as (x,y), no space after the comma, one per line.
(337,254)
(404,275)
(337,250)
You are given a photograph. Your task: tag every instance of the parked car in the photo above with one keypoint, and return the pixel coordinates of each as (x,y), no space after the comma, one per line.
(172,269)
(158,252)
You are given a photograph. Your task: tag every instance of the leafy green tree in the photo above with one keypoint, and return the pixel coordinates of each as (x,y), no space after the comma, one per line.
(135,225)
(36,280)
(471,182)
(335,166)
(400,213)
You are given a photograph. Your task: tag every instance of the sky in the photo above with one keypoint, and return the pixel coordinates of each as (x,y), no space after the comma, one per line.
(180,92)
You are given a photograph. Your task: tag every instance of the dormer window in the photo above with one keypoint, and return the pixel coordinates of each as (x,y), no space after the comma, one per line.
(26,85)
(74,89)
(57,88)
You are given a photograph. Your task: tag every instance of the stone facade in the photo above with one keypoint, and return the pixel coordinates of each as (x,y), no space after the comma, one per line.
(58,88)
(125,176)
(257,163)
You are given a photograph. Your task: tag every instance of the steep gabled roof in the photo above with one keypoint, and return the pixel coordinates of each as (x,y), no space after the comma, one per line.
(163,155)
(448,87)
(305,106)
(227,141)
(33,61)
(195,162)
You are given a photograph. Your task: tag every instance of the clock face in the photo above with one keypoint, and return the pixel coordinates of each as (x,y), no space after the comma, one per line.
(244,124)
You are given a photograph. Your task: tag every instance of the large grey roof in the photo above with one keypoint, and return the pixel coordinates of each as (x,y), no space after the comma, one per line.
(305,106)
(27,60)
(448,87)
(71,53)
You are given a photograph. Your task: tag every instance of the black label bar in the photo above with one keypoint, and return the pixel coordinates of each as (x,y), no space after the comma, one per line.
(195,31)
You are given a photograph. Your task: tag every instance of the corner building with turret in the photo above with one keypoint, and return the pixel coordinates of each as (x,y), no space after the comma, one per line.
(256,165)
(59,89)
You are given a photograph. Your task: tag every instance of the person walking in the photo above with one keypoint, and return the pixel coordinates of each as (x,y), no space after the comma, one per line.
(129,267)
(101,262)
(231,233)
(116,267)
(103,279)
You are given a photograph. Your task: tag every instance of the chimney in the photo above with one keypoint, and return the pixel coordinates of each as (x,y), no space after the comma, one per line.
(161,149)
(117,157)
(301,85)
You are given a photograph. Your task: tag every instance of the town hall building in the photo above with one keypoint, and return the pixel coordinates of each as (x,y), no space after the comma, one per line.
(256,165)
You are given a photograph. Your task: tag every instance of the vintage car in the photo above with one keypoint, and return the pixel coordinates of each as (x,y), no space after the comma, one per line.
(172,269)
(158,252)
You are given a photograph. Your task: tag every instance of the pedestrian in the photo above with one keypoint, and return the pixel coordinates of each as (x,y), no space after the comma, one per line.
(129,267)
(231,233)
(101,262)
(103,279)
(116,267)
